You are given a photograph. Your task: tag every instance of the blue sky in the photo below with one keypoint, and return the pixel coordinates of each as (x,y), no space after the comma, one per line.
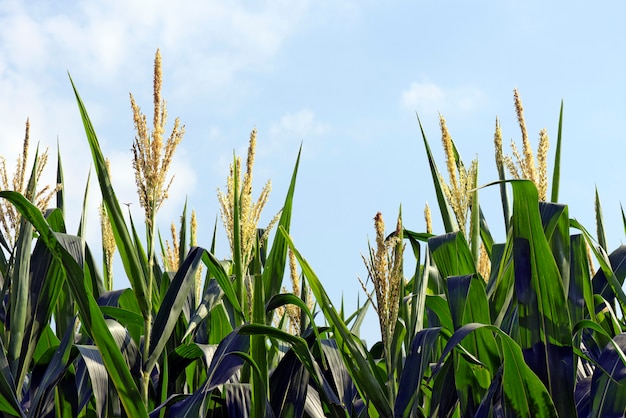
(345,80)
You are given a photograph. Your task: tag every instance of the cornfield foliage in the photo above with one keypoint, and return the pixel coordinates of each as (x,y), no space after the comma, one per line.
(525,327)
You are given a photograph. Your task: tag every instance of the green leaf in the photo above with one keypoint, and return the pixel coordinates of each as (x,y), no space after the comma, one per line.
(226,361)
(600,223)
(417,364)
(357,363)
(172,305)
(608,391)
(125,245)
(580,295)
(217,271)
(211,297)
(274,270)
(53,374)
(90,314)
(8,392)
(524,393)
(544,323)
(556,174)
(468,304)
(451,255)
(449,220)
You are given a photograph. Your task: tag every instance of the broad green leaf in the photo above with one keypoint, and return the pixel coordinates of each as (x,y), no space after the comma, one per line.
(417,364)
(468,304)
(20,286)
(580,295)
(45,285)
(211,297)
(288,387)
(237,399)
(216,270)
(97,375)
(524,393)
(555,220)
(451,254)
(258,347)
(544,323)
(617,263)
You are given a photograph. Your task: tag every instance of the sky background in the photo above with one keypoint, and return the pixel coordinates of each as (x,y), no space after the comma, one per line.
(345,80)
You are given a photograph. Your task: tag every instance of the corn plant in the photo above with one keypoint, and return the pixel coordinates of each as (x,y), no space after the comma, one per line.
(519,328)
(526,326)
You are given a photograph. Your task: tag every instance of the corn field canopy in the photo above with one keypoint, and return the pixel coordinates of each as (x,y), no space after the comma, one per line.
(527,325)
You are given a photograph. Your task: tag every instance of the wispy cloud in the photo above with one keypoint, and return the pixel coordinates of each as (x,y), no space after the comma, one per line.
(294,128)
(209,48)
(428,98)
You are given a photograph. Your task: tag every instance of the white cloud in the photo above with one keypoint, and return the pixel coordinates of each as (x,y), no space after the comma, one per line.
(423,96)
(428,98)
(108,46)
(295,128)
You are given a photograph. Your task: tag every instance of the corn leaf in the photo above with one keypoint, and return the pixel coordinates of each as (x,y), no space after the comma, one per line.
(125,245)
(544,323)
(277,259)
(212,295)
(555,221)
(524,393)
(580,295)
(9,403)
(357,363)
(224,364)
(90,314)
(172,305)
(601,233)
(288,386)
(556,174)
(449,220)
(451,254)
(608,391)
(417,364)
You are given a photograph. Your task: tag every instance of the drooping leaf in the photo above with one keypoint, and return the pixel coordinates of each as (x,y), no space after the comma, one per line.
(608,391)
(226,361)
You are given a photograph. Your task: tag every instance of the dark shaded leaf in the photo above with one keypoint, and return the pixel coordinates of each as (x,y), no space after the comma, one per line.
(608,392)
